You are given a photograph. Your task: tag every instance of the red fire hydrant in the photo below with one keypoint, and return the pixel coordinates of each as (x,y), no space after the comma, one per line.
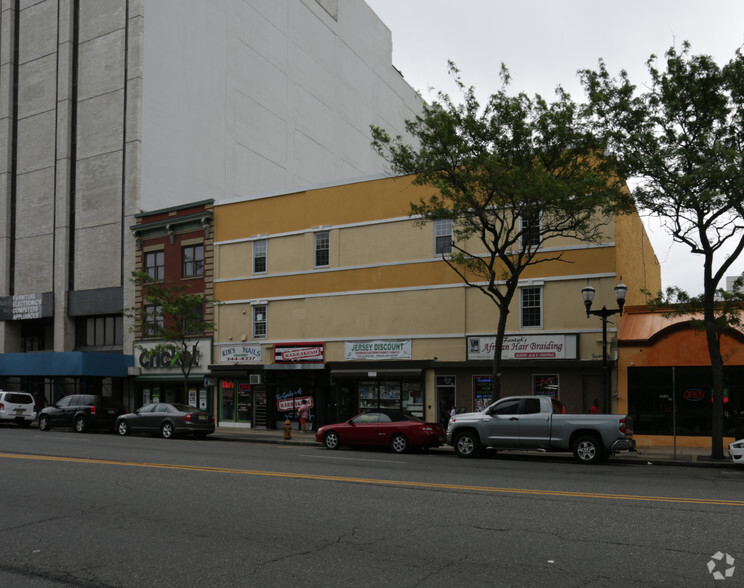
(287,429)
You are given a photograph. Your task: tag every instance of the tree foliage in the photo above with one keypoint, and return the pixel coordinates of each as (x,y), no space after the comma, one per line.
(173,317)
(683,138)
(511,176)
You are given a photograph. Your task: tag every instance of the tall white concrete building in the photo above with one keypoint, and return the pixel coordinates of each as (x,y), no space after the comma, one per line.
(112,107)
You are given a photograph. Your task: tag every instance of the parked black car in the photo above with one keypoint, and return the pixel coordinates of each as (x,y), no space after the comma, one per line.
(82,412)
(167,420)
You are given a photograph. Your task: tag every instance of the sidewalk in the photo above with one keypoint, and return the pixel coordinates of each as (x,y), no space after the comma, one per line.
(684,456)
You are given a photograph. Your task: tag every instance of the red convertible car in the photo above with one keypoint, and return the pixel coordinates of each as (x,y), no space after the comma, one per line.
(397,429)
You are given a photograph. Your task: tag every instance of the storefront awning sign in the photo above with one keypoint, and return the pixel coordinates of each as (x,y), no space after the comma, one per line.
(241,353)
(378,349)
(524,347)
(299,353)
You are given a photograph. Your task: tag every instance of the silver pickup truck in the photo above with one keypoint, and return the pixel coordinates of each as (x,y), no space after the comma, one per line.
(539,423)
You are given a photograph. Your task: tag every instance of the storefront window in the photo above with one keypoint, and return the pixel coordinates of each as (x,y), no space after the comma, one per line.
(545,385)
(667,401)
(412,398)
(245,403)
(482,392)
(379,395)
(227,394)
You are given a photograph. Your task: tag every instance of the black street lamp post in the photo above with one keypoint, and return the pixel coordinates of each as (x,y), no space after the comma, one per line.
(604,313)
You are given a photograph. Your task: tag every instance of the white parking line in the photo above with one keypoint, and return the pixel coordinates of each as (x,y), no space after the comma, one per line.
(352,458)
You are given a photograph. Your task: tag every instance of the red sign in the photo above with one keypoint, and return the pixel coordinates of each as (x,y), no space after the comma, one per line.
(299,353)
(693,394)
(289,404)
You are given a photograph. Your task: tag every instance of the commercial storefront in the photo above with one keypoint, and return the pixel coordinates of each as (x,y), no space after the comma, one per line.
(665,380)
(160,378)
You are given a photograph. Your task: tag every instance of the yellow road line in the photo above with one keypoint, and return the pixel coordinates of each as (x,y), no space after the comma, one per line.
(521,491)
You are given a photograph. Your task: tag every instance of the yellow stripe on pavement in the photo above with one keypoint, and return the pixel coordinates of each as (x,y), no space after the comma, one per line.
(519,491)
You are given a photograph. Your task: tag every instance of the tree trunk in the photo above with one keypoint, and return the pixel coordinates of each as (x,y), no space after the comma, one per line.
(716,364)
(496,366)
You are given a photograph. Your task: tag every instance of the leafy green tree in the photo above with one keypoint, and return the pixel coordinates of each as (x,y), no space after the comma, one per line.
(510,176)
(173,317)
(682,137)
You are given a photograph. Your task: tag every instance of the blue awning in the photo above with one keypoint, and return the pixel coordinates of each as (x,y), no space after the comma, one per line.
(68,363)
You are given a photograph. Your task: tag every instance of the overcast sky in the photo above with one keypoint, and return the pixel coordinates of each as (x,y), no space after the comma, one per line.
(545,42)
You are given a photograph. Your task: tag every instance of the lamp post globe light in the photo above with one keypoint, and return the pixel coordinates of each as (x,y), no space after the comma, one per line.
(587,293)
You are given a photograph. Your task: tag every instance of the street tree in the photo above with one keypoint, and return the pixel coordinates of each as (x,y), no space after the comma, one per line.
(682,138)
(510,177)
(173,318)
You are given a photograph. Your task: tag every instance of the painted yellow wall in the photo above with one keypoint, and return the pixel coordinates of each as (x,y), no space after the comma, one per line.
(636,260)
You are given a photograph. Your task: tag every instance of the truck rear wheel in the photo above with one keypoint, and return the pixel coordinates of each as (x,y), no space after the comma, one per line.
(467,444)
(588,449)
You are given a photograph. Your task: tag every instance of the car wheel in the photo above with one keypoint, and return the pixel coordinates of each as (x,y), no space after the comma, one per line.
(80,425)
(331,440)
(166,431)
(399,443)
(44,424)
(467,444)
(588,449)
(122,428)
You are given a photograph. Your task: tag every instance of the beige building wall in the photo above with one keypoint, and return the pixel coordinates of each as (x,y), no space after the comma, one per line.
(385,281)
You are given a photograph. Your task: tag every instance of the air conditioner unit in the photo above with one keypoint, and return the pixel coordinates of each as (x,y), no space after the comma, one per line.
(255,378)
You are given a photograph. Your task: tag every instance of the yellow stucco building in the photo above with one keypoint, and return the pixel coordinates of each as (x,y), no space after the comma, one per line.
(335,296)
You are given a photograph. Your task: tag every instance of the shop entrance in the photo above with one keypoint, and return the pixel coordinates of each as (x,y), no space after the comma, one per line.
(445,398)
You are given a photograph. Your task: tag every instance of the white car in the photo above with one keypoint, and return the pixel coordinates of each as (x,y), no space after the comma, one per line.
(18,407)
(736,451)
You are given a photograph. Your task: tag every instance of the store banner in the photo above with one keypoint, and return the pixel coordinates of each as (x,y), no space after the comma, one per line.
(299,353)
(525,347)
(239,353)
(378,349)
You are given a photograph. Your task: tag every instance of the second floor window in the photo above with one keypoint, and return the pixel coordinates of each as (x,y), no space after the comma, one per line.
(99,331)
(155,265)
(193,261)
(259,256)
(531,307)
(259,322)
(442,236)
(194,323)
(322,249)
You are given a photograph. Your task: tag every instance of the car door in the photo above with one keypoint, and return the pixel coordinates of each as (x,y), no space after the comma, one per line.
(362,429)
(61,411)
(501,423)
(138,422)
(534,425)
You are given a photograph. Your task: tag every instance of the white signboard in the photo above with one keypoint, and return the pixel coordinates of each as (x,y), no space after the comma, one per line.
(378,349)
(241,354)
(524,347)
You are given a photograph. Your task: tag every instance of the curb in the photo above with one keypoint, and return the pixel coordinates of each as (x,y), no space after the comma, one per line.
(704,462)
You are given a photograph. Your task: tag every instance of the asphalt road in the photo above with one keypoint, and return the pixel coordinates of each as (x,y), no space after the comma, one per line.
(102,510)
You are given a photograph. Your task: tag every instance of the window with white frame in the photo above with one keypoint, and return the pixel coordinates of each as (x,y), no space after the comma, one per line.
(322,249)
(530,229)
(443,236)
(259,321)
(259,256)
(531,307)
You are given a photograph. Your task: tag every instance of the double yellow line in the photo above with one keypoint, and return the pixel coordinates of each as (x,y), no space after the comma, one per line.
(403,483)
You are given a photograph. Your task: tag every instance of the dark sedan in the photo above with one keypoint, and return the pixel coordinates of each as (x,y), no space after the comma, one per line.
(167,420)
(397,429)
